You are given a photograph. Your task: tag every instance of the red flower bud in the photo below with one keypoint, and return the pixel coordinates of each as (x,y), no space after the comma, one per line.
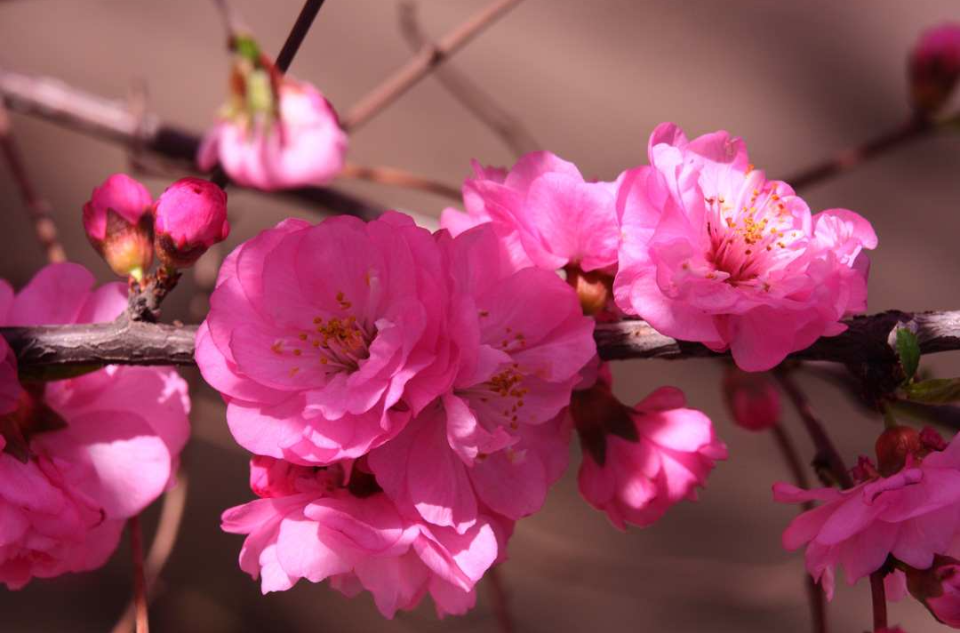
(752,399)
(934,67)
(893,446)
(118,224)
(191,216)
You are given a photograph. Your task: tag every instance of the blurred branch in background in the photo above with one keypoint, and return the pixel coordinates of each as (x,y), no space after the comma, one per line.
(400,178)
(39,208)
(423,63)
(506,126)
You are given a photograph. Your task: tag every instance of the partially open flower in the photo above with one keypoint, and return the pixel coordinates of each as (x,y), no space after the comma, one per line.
(119,225)
(191,216)
(938,588)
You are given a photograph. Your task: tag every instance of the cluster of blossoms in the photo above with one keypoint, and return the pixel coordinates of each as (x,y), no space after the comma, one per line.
(78,456)
(409,396)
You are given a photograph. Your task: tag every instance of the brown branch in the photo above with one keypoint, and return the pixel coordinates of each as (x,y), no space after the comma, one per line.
(111,120)
(139,583)
(399,178)
(506,126)
(38,207)
(879,596)
(501,601)
(135,343)
(421,64)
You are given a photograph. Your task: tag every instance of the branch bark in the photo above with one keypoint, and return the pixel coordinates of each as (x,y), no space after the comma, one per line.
(133,343)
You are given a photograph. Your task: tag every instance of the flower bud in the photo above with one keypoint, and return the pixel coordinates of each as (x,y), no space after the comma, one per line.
(119,225)
(938,588)
(752,399)
(934,67)
(191,216)
(894,446)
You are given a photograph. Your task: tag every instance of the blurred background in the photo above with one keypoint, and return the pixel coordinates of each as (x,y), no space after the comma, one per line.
(589,80)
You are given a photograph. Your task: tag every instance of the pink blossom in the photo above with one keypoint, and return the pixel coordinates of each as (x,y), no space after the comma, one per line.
(79,456)
(325,339)
(544,211)
(498,437)
(118,223)
(911,513)
(752,399)
(317,524)
(302,146)
(639,461)
(191,216)
(712,251)
(934,66)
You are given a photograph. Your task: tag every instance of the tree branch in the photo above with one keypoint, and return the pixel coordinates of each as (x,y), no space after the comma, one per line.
(132,343)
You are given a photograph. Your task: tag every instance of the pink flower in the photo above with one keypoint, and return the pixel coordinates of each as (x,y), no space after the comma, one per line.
(498,437)
(317,524)
(302,146)
(911,513)
(934,67)
(752,400)
(639,461)
(544,211)
(324,339)
(191,216)
(119,225)
(712,251)
(79,456)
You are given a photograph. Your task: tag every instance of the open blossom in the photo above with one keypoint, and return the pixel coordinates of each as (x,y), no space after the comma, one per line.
(191,216)
(317,524)
(79,456)
(294,143)
(712,251)
(934,67)
(639,461)
(119,225)
(911,512)
(323,339)
(498,437)
(544,211)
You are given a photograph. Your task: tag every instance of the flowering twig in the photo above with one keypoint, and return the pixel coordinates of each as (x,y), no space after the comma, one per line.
(826,451)
(878,594)
(111,120)
(399,178)
(139,584)
(509,128)
(422,63)
(913,129)
(39,208)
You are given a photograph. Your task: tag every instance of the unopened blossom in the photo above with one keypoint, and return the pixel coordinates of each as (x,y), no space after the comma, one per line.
(290,137)
(324,339)
(119,225)
(544,212)
(752,399)
(80,456)
(191,216)
(325,524)
(911,512)
(639,461)
(498,437)
(934,67)
(712,251)
(938,588)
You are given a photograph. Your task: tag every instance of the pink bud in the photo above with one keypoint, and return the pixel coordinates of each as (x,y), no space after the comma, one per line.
(118,224)
(191,216)
(934,67)
(752,399)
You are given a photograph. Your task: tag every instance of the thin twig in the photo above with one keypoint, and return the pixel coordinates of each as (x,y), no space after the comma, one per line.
(136,343)
(297,34)
(815,598)
(168,529)
(399,178)
(232,22)
(422,63)
(879,596)
(913,129)
(826,451)
(139,583)
(500,600)
(44,226)
(484,107)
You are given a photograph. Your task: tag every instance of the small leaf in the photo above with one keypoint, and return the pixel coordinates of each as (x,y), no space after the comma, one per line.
(247,48)
(908,348)
(934,391)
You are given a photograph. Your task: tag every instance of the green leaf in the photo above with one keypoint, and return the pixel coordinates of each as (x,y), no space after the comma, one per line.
(908,348)
(934,391)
